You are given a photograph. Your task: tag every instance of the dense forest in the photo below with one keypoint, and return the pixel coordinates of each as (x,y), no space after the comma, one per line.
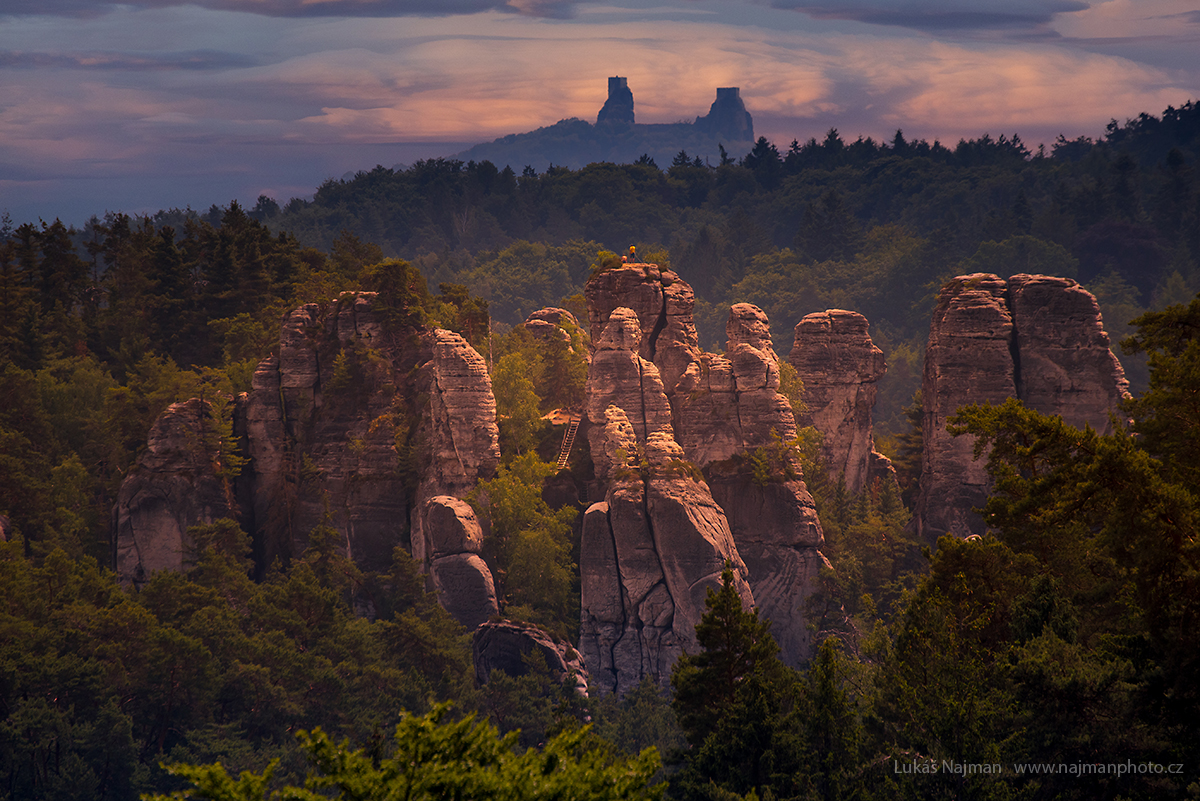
(1068,638)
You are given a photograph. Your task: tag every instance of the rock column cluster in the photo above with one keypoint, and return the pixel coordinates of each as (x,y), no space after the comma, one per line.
(659,412)
(331,427)
(1032,337)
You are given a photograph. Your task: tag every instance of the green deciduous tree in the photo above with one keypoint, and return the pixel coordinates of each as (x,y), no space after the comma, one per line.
(434,759)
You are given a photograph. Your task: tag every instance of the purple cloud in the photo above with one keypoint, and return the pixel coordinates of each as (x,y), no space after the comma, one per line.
(933,17)
(303,8)
(104,60)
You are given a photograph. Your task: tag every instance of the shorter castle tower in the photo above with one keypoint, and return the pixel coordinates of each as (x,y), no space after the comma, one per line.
(727,117)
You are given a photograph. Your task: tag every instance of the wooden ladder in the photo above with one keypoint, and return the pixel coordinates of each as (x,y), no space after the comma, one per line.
(564,453)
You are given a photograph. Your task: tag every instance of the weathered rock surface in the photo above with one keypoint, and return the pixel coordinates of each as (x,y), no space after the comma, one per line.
(449,549)
(1066,365)
(648,555)
(459,429)
(663,305)
(722,408)
(1035,338)
(506,646)
(551,323)
(778,536)
(619,377)
(354,427)
(174,486)
(726,405)
(839,364)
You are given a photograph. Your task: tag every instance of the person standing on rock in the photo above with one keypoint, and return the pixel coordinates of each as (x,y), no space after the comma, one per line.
(632,259)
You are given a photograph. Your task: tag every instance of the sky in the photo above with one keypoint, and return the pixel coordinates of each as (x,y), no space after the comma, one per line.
(151,104)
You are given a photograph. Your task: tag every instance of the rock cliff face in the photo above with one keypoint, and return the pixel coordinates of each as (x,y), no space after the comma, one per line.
(350,425)
(174,486)
(649,553)
(1035,338)
(1066,366)
(839,364)
(620,377)
(679,410)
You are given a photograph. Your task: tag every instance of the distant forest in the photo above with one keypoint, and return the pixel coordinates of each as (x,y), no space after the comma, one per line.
(1069,637)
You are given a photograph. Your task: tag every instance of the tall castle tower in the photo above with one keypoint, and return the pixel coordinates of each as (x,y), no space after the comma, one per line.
(619,106)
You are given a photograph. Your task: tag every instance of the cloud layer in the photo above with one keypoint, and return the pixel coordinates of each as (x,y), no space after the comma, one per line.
(301,8)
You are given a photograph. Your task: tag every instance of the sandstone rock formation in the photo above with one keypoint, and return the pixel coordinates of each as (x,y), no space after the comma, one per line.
(458,430)
(174,486)
(1035,338)
(648,555)
(619,376)
(680,409)
(353,426)
(551,323)
(506,646)
(1066,365)
(449,550)
(839,364)
(663,305)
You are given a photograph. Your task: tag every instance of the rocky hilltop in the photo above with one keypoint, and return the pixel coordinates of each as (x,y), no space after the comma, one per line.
(617,138)
(1032,337)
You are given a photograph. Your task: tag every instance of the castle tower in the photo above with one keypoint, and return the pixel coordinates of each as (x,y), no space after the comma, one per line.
(727,117)
(619,106)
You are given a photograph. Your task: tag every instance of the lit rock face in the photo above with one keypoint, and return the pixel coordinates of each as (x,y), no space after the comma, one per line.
(663,305)
(356,427)
(450,550)
(459,427)
(1066,365)
(174,486)
(681,410)
(551,323)
(1035,338)
(839,364)
(619,377)
(648,556)
(726,405)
